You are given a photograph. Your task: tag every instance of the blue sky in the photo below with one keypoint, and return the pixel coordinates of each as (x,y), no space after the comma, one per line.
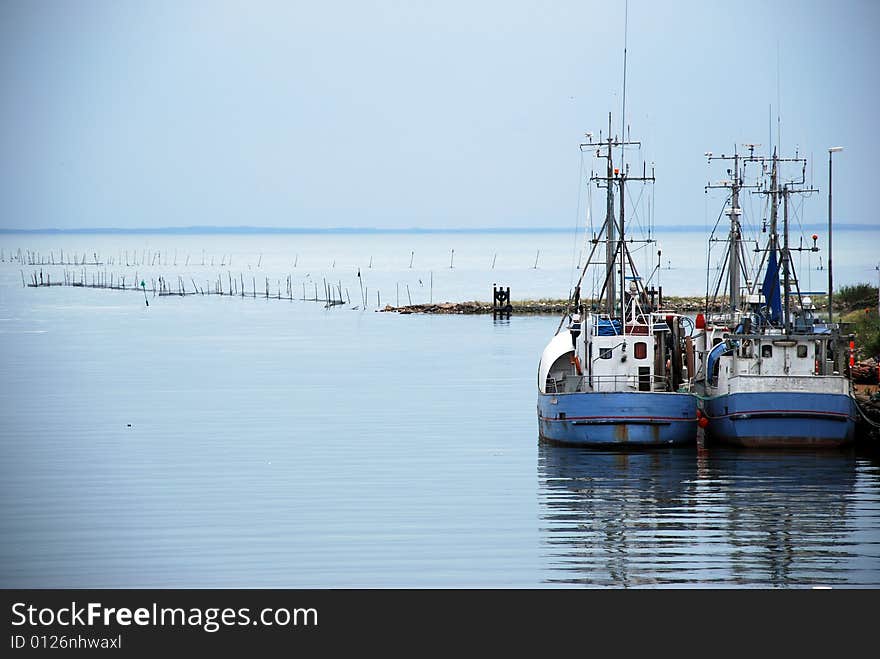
(399,114)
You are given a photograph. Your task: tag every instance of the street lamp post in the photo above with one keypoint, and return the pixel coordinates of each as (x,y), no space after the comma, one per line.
(831,151)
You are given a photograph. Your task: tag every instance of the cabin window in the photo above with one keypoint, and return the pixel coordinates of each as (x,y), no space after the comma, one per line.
(766,351)
(715,341)
(605,353)
(746,350)
(641,350)
(802,351)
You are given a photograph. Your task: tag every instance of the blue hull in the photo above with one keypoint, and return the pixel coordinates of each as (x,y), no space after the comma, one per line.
(781,419)
(623,419)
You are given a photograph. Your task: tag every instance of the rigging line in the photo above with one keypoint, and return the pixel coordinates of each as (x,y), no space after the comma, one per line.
(743,262)
(636,217)
(754,288)
(584,270)
(708,263)
(592,229)
(577,217)
(797,284)
(651,276)
(720,215)
(721,274)
(653,213)
(587,238)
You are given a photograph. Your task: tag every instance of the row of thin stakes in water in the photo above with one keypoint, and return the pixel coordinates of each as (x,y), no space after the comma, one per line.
(129,259)
(332,294)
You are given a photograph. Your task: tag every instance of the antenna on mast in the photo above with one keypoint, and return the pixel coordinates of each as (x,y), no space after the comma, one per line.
(778,103)
(623,134)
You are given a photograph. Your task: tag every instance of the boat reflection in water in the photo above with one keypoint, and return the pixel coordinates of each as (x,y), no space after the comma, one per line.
(681,517)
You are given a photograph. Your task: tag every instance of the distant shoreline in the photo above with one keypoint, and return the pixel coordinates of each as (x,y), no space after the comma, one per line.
(243,230)
(527,307)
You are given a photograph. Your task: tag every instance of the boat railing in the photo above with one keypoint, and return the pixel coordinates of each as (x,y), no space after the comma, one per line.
(607,383)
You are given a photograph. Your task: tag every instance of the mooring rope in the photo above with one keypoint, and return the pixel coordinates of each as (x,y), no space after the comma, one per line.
(865,417)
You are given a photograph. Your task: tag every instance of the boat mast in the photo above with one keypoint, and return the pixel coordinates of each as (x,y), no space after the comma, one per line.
(615,248)
(625,256)
(621,183)
(774,204)
(787,264)
(611,245)
(786,283)
(733,264)
(735,260)
(774,214)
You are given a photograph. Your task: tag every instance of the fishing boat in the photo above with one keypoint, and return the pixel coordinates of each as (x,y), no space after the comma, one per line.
(616,373)
(770,373)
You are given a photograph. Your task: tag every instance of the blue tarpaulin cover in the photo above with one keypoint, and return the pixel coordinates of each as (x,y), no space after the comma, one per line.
(609,327)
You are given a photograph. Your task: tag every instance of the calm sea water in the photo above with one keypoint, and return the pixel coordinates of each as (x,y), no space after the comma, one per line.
(207,441)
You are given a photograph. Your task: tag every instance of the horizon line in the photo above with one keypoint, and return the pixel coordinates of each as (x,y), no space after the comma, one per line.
(245,229)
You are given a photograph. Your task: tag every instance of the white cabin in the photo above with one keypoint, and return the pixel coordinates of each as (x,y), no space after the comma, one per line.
(729,363)
(603,355)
